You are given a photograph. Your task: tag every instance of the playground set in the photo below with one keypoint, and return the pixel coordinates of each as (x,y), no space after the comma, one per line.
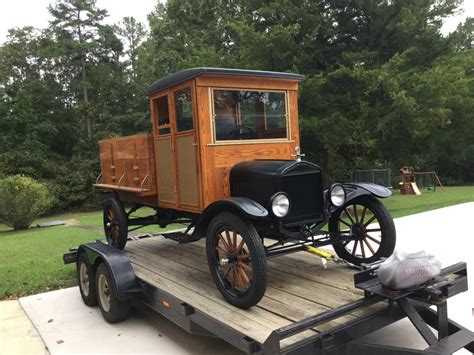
(411,181)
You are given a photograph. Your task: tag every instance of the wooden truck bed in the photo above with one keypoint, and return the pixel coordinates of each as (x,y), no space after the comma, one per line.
(298,287)
(128,165)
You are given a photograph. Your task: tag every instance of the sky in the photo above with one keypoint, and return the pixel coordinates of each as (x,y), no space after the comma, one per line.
(18,13)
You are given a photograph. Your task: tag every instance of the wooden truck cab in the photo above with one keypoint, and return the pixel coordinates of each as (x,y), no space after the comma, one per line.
(184,163)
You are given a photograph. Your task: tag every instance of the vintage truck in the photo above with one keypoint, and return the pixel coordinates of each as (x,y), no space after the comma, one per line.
(223,157)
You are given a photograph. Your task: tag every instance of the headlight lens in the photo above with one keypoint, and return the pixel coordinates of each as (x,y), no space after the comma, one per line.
(338,195)
(280,205)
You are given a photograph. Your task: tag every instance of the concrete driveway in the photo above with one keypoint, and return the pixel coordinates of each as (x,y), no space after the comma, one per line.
(66,325)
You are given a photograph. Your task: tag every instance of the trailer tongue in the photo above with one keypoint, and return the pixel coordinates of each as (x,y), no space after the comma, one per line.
(175,283)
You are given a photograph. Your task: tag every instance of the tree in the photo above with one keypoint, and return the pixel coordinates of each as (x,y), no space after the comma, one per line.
(36,125)
(76,27)
(133,34)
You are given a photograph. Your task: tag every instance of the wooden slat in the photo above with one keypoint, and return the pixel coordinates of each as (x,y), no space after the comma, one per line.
(305,288)
(258,323)
(246,82)
(127,165)
(307,266)
(292,294)
(287,305)
(136,190)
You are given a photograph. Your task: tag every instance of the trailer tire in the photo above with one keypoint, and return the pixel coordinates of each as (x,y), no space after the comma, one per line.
(113,309)
(115,223)
(236,259)
(86,280)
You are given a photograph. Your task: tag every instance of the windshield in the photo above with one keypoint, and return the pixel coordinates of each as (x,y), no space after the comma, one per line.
(249,115)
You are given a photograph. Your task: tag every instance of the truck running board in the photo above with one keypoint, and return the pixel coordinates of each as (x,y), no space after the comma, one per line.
(180,237)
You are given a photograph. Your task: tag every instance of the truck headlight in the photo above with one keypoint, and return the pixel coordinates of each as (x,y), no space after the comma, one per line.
(337,195)
(280,205)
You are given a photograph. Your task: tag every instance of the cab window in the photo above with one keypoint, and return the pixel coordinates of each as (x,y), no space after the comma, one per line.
(249,115)
(183,109)
(162,115)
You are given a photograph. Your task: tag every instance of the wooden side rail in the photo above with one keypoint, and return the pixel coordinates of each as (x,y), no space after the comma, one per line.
(127,165)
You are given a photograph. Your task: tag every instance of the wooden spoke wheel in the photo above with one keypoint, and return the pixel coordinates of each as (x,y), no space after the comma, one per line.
(237,260)
(370,228)
(115,223)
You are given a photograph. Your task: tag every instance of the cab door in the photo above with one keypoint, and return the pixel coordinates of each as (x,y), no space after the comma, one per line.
(186,147)
(164,147)
(176,149)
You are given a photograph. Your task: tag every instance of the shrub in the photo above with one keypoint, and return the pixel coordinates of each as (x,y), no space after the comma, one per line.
(22,199)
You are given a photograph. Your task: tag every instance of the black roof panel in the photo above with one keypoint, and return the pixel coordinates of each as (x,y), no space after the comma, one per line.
(187,74)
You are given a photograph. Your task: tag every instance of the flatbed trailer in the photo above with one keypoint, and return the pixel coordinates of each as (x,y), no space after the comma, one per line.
(306,308)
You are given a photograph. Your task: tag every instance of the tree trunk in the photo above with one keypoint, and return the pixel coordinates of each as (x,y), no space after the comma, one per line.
(85,96)
(328,165)
(87,117)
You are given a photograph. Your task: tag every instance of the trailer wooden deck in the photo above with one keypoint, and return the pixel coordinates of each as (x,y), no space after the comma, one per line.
(298,287)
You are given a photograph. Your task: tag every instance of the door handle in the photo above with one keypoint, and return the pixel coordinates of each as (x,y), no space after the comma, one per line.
(195,144)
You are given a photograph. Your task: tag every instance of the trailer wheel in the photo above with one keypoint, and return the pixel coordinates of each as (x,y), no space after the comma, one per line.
(86,279)
(112,308)
(236,259)
(372,227)
(115,223)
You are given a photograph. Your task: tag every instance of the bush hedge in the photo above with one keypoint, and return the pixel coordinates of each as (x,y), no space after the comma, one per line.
(22,200)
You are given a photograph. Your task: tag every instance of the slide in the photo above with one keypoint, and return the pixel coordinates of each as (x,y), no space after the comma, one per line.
(415,188)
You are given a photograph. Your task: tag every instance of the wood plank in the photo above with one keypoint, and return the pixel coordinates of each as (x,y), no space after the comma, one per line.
(289,306)
(127,164)
(137,190)
(305,288)
(336,276)
(228,155)
(309,269)
(212,300)
(294,121)
(197,281)
(246,82)
(241,323)
(308,260)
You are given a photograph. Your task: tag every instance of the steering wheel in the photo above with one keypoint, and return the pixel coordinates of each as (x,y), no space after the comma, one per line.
(236,133)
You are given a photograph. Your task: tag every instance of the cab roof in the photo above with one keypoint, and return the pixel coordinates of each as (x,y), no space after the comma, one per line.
(188,74)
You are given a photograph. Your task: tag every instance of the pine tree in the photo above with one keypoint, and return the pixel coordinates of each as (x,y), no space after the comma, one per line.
(76,26)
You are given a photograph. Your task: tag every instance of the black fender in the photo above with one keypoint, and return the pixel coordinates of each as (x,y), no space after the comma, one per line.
(356,189)
(124,280)
(241,205)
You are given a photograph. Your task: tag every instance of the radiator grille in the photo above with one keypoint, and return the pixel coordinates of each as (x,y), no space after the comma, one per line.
(306,196)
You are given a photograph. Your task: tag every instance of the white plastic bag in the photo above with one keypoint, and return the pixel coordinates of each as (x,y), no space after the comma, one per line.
(404,271)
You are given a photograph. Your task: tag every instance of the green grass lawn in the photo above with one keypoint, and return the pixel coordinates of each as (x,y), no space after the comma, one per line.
(31,261)
(404,205)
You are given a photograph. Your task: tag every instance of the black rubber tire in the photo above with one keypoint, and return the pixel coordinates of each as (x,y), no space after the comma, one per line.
(86,280)
(387,231)
(258,283)
(115,237)
(114,311)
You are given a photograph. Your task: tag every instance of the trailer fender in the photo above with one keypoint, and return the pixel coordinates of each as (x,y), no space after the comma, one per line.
(241,205)
(124,280)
